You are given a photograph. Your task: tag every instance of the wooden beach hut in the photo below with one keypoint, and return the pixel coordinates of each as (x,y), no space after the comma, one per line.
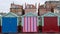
(30,22)
(50,22)
(9,23)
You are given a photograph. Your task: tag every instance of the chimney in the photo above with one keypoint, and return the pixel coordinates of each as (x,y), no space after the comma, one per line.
(36,5)
(12,4)
(25,5)
(38,9)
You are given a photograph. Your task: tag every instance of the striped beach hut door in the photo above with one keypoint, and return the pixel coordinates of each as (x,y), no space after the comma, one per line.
(29,23)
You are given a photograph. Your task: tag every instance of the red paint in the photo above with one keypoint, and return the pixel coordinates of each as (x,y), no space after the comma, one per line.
(50,24)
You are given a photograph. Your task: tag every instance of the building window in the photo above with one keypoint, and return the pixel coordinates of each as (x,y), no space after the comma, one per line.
(14,6)
(20,13)
(27,6)
(59,11)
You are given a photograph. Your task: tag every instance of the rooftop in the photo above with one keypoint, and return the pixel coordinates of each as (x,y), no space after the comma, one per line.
(57,2)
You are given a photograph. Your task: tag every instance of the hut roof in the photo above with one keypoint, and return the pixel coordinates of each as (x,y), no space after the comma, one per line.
(30,14)
(49,14)
(10,14)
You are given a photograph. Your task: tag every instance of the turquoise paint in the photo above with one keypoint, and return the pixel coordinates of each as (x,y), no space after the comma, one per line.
(22,21)
(58,21)
(17,21)
(39,21)
(49,14)
(10,14)
(42,21)
(29,14)
(0,20)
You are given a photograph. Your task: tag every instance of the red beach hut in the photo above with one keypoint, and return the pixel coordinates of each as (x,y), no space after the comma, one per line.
(50,22)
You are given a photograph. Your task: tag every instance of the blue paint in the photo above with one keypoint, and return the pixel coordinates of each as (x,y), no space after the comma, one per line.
(9,24)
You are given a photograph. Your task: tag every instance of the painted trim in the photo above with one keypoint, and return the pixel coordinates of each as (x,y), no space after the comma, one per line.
(49,14)
(58,21)
(17,22)
(1,21)
(27,23)
(29,14)
(10,16)
(37,22)
(22,21)
(42,21)
(30,24)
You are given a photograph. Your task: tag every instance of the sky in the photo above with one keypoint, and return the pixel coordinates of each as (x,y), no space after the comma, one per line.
(5,4)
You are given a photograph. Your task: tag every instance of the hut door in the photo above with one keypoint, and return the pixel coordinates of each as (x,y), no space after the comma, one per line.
(30,24)
(9,24)
(50,24)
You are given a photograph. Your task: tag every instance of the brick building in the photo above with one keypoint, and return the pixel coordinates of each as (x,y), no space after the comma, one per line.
(42,9)
(52,5)
(48,6)
(17,9)
(30,8)
(57,10)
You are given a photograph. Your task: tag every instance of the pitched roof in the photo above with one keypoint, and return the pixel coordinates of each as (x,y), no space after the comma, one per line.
(30,14)
(58,14)
(57,2)
(10,14)
(49,14)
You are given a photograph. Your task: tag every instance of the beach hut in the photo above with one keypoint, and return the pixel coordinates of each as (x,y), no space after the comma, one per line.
(30,22)
(9,23)
(50,22)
